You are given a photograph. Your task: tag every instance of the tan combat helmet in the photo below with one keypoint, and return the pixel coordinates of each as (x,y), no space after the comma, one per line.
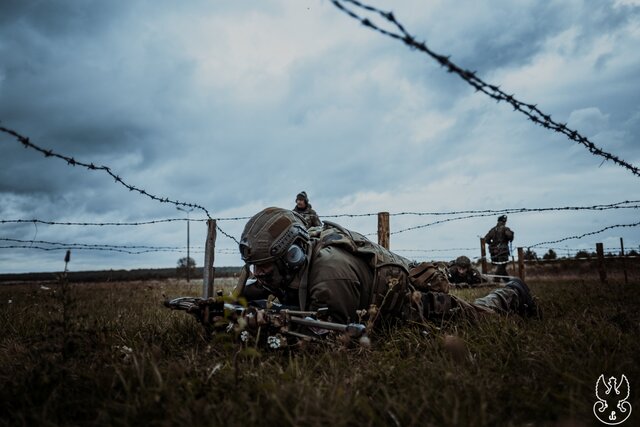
(272,234)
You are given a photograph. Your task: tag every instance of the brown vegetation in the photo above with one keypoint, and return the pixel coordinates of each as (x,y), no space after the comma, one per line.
(111,354)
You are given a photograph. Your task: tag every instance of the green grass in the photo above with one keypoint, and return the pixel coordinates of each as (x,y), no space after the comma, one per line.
(111,354)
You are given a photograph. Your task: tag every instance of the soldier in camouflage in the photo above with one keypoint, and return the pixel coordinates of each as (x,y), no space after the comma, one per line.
(352,278)
(303,207)
(498,239)
(462,274)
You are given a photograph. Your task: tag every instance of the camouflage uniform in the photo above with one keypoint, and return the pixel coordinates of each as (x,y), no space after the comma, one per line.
(469,278)
(309,215)
(498,239)
(348,274)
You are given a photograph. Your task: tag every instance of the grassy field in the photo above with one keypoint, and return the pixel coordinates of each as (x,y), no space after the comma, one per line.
(111,354)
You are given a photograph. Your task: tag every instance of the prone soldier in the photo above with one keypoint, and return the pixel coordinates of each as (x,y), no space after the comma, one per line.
(462,274)
(353,279)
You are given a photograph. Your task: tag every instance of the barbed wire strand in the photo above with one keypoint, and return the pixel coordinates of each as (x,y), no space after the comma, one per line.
(618,205)
(193,248)
(90,166)
(435,250)
(531,111)
(135,223)
(441,221)
(573,250)
(479,215)
(39,221)
(235,252)
(61,248)
(49,153)
(564,259)
(583,235)
(91,245)
(110,249)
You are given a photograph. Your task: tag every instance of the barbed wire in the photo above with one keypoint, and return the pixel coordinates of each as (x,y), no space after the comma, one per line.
(123,249)
(71,161)
(617,205)
(233,251)
(61,248)
(561,259)
(135,223)
(583,235)
(531,111)
(441,221)
(90,166)
(128,248)
(627,204)
(239,218)
(514,211)
(143,249)
(435,250)
(39,221)
(574,250)
(90,245)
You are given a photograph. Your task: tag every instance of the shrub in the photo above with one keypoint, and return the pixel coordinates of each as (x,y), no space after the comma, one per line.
(551,254)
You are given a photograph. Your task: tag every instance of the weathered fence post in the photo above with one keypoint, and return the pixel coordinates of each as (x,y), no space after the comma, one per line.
(383,229)
(601,270)
(483,256)
(624,262)
(521,263)
(208,270)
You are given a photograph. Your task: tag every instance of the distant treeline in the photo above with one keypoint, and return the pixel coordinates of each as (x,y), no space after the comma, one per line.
(118,275)
(534,269)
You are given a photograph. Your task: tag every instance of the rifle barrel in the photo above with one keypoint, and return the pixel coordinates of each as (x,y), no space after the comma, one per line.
(353,329)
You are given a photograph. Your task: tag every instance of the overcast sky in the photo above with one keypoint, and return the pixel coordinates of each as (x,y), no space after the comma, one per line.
(236,106)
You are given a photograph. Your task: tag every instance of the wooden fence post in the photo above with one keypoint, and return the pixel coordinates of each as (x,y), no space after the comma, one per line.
(520,263)
(208,270)
(624,262)
(601,269)
(383,229)
(483,256)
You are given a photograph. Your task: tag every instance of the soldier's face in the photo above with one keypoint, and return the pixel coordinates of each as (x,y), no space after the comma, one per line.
(267,274)
(301,204)
(263,271)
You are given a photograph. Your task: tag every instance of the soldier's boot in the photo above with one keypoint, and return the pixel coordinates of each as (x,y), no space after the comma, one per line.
(527,305)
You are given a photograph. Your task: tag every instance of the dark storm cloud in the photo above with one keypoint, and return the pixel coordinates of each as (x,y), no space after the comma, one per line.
(484,36)
(59,88)
(58,18)
(539,23)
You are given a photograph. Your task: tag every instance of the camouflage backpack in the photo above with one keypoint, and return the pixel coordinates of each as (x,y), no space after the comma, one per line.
(429,277)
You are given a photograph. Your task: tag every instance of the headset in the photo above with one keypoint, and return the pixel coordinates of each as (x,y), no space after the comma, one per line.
(295,257)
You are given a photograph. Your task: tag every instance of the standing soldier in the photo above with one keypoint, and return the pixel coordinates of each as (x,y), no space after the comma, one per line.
(498,239)
(303,207)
